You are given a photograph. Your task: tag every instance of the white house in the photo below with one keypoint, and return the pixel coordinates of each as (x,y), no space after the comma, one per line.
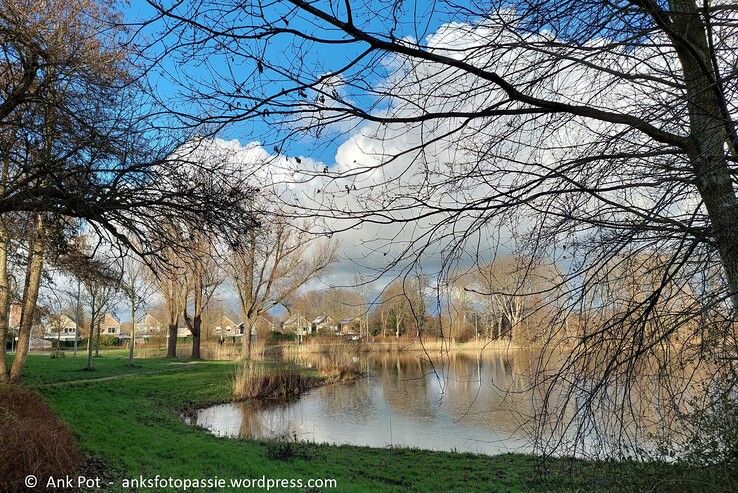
(148,326)
(60,328)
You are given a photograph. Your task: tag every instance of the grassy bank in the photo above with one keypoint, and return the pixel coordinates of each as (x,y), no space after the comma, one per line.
(130,419)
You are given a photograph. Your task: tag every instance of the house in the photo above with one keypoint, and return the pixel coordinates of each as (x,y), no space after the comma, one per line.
(111,326)
(349,326)
(263,325)
(296,325)
(148,326)
(61,328)
(324,323)
(226,327)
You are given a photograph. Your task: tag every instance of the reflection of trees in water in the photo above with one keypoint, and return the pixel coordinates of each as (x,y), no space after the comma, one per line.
(352,399)
(404,384)
(270,421)
(597,412)
(490,389)
(506,392)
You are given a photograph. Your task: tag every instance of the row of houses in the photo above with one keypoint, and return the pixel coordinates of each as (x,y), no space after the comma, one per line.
(147,326)
(323,324)
(63,328)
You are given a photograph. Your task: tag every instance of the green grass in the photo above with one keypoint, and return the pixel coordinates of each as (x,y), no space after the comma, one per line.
(130,418)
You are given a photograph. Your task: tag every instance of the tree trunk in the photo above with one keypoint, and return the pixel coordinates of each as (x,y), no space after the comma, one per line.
(77,315)
(30,296)
(708,132)
(97,339)
(93,315)
(246,341)
(132,339)
(4,301)
(89,350)
(172,341)
(196,332)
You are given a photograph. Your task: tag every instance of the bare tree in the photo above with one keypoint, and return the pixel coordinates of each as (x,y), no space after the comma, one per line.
(203,276)
(404,302)
(137,287)
(101,285)
(268,265)
(79,144)
(170,284)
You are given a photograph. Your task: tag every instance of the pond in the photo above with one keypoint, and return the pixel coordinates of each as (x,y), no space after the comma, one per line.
(462,402)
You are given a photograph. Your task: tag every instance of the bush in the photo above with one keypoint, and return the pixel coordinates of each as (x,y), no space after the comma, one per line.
(286,448)
(107,340)
(58,353)
(32,440)
(280,337)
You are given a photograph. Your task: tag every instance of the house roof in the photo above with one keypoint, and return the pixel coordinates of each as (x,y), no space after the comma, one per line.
(225,320)
(322,319)
(147,314)
(62,321)
(347,321)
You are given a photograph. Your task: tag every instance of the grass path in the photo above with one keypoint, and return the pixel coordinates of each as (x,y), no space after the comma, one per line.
(115,377)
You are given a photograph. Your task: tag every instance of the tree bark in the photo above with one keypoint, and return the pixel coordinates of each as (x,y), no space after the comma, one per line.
(132,339)
(172,341)
(30,296)
(196,330)
(246,341)
(708,135)
(97,339)
(4,301)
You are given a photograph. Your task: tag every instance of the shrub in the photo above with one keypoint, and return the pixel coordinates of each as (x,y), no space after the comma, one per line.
(32,440)
(286,447)
(107,340)
(280,337)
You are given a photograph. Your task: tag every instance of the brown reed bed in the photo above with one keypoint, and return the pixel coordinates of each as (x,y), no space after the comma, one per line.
(257,380)
(282,382)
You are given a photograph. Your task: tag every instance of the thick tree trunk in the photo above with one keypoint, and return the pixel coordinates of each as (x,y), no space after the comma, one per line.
(172,341)
(30,296)
(196,330)
(4,302)
(709,134)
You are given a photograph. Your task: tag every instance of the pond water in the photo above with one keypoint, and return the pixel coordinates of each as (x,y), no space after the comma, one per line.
(467,403)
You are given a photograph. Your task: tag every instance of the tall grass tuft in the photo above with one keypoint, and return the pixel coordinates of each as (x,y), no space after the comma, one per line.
(255,380)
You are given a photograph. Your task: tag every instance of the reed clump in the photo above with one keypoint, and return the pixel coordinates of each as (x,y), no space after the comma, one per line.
(255,380)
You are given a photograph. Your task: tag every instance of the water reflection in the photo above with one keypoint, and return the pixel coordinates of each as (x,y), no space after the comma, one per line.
(482,403)
(459,402)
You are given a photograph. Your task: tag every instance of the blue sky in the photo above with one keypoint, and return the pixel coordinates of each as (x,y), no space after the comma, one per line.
(328,56)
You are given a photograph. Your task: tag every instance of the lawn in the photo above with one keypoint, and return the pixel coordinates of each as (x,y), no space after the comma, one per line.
(129,419)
